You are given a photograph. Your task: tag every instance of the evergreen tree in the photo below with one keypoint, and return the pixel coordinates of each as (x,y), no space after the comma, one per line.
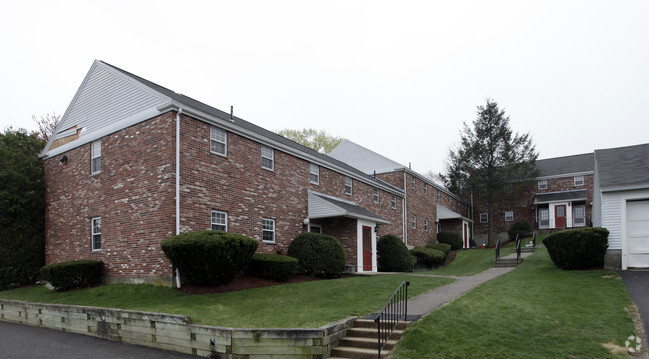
(489,156)
(22,207)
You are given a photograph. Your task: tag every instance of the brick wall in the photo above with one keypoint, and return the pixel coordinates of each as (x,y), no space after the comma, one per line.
(133,194)
(135,197)
(521,202)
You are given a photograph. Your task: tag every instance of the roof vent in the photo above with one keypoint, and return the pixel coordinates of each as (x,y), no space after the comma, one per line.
(231,113)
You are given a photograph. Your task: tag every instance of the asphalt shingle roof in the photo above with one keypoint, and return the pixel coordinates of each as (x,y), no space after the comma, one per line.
(623,166)
(565,165)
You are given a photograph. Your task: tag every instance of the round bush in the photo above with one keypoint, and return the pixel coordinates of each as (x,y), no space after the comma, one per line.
(393,255)
(582,248)
(209,257)
(73,274)
(523,229)
(445,248)
(273,267)
(318,254)
(428,257)
(451,238)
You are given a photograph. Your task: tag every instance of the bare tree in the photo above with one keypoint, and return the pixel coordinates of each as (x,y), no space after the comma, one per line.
(46,125)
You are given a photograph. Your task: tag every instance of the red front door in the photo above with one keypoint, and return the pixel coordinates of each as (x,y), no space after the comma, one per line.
(560,216)
(367,248)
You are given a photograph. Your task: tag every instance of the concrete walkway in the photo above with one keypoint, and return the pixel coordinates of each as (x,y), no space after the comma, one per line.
(425,303)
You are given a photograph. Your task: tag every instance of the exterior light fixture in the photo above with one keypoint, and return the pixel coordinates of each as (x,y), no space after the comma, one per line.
(305,224)
(64,159)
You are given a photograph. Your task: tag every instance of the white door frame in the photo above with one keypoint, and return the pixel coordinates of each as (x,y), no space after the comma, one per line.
(359,244)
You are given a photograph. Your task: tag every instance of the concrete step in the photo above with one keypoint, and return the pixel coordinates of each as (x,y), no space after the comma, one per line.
(371,333)
(357,353)
(527,250)
(507,262)
(368,323)
(366,343)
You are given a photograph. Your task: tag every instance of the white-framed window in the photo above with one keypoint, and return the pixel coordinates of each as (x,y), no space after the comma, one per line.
(219,221)
(544,217)
(426,224)
(578,181)
(425,188)
(509,216)
(484,217)
(543,184)
(348,185)
(414,221)
(96,233)
(218,141)
(315,228)
(95,157)
(268,230)
(267,158)
(439,195)
(314,173)
(394,201)
(414,182)
(579,215)
(376,195)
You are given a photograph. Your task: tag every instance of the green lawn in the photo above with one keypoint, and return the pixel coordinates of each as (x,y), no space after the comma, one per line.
(534,311)
(472,261)
(298,305)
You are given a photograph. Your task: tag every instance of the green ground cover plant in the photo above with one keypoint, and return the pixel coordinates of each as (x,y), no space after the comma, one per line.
(294,305)
(534,311)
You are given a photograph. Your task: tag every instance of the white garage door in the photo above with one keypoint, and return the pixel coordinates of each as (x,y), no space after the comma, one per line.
(637,234)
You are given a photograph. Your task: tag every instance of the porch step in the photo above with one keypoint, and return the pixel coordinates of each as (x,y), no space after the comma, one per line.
(361,341)
(507,262)
(527,249)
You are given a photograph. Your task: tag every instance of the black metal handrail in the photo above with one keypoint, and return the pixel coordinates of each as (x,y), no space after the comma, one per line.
(534,241)
(518,250)
(394,310)
(497,250)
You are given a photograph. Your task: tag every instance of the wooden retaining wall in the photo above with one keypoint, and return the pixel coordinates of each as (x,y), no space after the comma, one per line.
(177,333)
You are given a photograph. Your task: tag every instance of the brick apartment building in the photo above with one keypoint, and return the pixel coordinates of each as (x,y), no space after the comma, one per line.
(561,197)
(133,163)
(428,207)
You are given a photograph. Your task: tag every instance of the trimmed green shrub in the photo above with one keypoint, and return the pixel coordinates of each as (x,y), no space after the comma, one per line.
(318,254)
(209,257)
(451,238)
(523,229)
(393,255)
(428,257)
(73,274)
(273,267)
(445,248)
(578,248)
(7,278)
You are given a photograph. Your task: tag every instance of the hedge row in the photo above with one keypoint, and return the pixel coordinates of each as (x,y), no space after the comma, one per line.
(318,254)
(272,266)
(428,257)
(451,238)
(73,274)
(393,255)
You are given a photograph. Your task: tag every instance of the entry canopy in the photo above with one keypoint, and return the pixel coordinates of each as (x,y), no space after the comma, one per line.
(445,213)
(324,206)
(562,196)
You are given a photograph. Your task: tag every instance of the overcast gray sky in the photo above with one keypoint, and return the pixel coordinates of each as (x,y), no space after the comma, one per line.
(398,77)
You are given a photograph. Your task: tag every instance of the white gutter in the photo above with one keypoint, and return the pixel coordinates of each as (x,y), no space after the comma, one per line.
(180,111)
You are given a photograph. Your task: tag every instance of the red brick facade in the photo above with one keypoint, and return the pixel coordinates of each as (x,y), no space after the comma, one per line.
(521,203)
(134,194)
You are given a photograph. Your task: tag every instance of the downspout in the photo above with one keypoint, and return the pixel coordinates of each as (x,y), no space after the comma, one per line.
(405,209)
(180,111)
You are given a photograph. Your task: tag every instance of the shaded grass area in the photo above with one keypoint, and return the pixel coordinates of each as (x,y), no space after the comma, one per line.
(298,305)
(534,311)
